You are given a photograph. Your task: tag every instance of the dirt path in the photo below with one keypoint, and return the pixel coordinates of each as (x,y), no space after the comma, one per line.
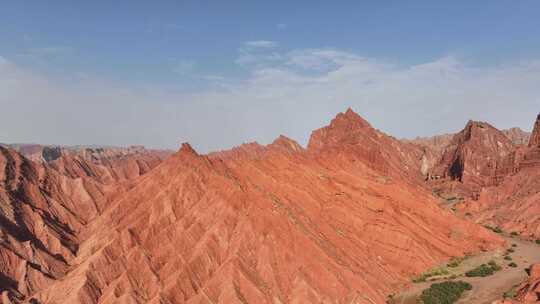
(487,289)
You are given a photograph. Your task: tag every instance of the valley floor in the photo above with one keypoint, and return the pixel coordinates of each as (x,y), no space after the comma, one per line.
(485,289)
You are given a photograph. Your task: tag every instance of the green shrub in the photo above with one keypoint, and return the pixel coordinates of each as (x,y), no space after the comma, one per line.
(537,242)
(510,250)
(507,257)
(445,292)
(483,270)
(514,233)
(494,229)
(514,245)
(512,264)
(431,273)
(454,262)
(510,294)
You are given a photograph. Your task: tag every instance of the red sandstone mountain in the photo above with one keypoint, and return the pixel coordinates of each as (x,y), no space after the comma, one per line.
(345,221)
(514,203)
(44,206)
(475,155)
(497,180)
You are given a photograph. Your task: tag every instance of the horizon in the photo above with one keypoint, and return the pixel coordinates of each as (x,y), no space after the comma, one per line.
(180,144)
(218,75)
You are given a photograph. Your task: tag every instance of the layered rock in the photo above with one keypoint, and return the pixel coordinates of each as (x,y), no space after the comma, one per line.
(512,203)
(348,132)
(340,222)
(476,155)
(44,206)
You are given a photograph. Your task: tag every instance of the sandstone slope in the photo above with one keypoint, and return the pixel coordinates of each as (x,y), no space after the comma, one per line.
(44,206)
(346,220)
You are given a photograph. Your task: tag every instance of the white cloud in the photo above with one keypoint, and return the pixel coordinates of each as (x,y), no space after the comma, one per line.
(288,93)
(3,60)
(281,26)
(260,44)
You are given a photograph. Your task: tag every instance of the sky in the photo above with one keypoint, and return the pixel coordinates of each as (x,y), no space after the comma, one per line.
(221,73)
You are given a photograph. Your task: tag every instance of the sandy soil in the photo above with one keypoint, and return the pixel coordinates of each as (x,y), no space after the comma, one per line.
(488,289)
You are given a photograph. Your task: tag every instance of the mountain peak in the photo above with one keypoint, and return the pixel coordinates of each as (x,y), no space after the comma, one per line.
(535,136)
(286,144)
(187,149)
(351,117)
(340,129)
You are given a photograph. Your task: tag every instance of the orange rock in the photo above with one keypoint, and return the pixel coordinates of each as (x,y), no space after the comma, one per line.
(345,221)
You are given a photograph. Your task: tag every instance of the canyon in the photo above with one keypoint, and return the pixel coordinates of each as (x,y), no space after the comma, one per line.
(350,218)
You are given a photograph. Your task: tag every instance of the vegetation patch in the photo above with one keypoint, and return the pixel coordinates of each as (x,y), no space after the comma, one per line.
(510,294)
(484,270)
(512,264)
(444,293)
(494,229)
(455,262)
(537,242)
(507,257)
(431,273)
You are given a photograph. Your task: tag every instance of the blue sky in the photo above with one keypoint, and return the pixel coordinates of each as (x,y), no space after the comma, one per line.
(234,61)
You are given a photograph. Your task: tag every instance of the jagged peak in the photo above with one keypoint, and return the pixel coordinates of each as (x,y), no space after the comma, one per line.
(187,149)
(339,129)
(534,140)
(351,117)
(284,142)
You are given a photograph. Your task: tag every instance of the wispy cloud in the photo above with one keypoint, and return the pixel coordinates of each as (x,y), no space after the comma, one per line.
(260,44)
(281,26)
(257,52)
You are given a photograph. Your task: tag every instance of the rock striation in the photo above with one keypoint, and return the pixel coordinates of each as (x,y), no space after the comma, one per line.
(496,180)
(43,208)
(346,220)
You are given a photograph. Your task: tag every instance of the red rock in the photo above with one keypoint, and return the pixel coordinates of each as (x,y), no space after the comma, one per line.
(529,291)
(534,141)
(334,223)
(43,207)
(517,136)
(474,155)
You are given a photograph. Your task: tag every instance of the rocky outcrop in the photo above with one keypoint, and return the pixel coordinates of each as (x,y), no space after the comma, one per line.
(529,290)
(476,155)
(534,141)
(512,202)
(331,224)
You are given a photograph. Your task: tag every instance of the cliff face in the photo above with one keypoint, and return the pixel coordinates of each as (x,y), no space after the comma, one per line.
(475,155)
(333,223)
(497,180)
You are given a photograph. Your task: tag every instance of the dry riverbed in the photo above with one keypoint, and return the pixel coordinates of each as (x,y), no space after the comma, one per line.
(485,289)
